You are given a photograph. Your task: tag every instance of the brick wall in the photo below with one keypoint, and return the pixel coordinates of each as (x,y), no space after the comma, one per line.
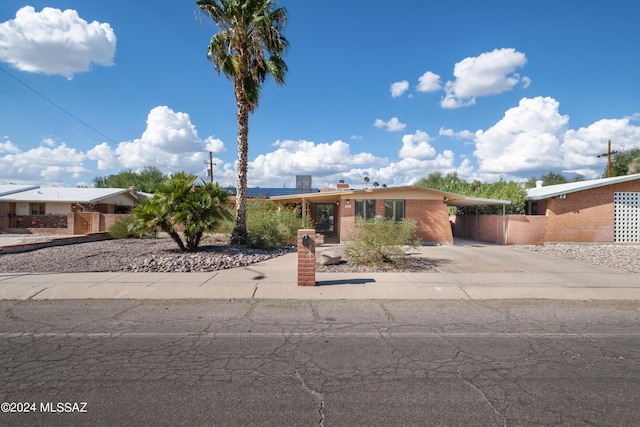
(526,229)
(347,215)
(431,216)
(306,259)
(41,221)
(108,220)
(519,229)
(585,216)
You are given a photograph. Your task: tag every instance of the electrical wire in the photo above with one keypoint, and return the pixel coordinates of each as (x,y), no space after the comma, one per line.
(58,106)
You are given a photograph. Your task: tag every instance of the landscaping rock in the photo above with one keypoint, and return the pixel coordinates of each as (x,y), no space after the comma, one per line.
(328,259)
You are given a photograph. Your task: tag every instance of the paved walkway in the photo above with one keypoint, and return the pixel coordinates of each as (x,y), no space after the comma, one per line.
(466,270)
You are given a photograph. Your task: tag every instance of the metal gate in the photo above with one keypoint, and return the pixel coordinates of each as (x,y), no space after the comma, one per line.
(626,217)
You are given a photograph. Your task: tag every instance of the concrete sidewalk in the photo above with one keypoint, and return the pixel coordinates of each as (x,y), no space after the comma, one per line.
(466,270)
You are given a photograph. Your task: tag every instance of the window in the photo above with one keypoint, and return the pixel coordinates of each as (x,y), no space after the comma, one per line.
(366,209)
(394,209)
(37,208)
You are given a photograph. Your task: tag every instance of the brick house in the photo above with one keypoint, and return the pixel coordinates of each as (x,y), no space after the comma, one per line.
(603,210)
(334,211)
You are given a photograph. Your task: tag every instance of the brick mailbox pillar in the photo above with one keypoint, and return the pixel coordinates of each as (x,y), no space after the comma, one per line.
(307,257)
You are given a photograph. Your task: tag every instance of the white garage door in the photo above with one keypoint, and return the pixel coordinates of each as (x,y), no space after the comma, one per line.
(626,217)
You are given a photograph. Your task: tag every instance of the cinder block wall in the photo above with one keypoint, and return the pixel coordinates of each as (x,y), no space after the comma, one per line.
(585,216)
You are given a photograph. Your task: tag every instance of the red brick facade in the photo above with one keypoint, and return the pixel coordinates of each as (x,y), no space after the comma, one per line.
(516,229)
(431,216)
(585,216)
(307,259)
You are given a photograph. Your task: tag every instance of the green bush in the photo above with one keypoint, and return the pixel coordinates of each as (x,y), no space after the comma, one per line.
(183,209)
(381,242)
(120,230)
(271,225)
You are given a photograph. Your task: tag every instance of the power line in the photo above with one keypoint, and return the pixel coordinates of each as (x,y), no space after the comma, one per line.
(58,106)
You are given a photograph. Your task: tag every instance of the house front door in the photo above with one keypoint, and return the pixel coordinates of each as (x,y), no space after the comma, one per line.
(325,217)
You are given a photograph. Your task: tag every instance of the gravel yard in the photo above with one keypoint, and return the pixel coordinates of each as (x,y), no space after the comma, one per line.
(619,257)
(162,255)
(135,255)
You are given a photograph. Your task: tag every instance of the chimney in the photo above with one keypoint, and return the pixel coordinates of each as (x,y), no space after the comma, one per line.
(539,183)
(342,186)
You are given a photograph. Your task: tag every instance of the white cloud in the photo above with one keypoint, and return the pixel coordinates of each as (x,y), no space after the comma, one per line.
(8,147)
(399,88)
(214,144)
(464,134)
(534,138)
(528,137)
(429,82)
(292,158)
(392,125)
(104,155)
(581,147)
(488,74)
(55,42)
(50,164)
(170,143)
(409,170)
(416,146)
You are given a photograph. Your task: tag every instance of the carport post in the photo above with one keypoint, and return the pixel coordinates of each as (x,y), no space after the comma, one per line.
(504,224)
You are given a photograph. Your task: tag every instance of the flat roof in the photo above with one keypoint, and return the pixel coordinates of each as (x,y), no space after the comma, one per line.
(6,189)
(451,199)
(63,194)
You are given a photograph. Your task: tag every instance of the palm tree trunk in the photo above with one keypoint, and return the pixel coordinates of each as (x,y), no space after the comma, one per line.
(176,238)
(239,234)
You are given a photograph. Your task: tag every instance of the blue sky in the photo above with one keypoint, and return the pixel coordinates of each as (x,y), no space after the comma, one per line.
(392,91)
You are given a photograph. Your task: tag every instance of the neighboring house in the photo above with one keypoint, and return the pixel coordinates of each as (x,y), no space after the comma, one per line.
(6,189)
(334,211)
(53,207)
(603,210)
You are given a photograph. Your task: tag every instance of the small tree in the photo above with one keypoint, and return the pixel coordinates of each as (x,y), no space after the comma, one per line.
(624,162)
(146,180)
(179,203)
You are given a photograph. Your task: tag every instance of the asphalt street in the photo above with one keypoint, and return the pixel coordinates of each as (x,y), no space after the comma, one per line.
(325,363)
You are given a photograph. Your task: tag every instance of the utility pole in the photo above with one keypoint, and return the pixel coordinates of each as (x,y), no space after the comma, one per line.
(608,155)
(211,164)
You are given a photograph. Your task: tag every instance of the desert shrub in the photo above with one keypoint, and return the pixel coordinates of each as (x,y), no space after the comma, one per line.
(120,230)
(271,225)
(381,242)
(123,230)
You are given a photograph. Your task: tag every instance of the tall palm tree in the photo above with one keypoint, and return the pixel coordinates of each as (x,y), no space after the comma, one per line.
(247,48)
